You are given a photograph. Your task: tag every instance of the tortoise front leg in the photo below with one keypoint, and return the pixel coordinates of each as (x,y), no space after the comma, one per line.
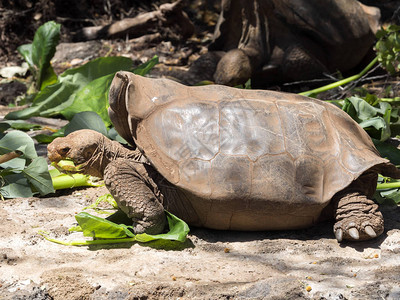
(135,194)
(357,216)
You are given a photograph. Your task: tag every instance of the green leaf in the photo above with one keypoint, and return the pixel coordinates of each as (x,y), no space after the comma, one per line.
(40,52)
(178,231)
(86,120)
(38,175)
(388,151)
(15,186)
(388,197)
(46,139)
(145,68)
(97,227)
(4,126)
(108,232)
(44,46)
(93,97)
(54,99)
(21,125)
(26,52)
(18,140)
(49,102)
(376,120)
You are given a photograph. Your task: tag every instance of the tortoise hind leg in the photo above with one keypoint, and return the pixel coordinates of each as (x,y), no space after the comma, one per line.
(136,195)
(357,216)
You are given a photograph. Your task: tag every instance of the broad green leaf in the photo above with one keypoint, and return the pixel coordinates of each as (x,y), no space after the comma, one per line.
(20,125)
(374,119)
(101,228)
(43,49)
(389,197)
(57,97)
(16,165)
(26,52)
(93,97)
(49,101)
(46,139)
(114,135)
(363,109)
(178,231)
(40,52)
(4,126)
(18,140)
(388,151)
(38,175)
(97,227)
(145,68)
(15,186)
(86,120)
(108,232)
(97,68)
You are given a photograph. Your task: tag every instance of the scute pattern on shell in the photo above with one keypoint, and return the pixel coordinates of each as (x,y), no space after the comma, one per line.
(261,148)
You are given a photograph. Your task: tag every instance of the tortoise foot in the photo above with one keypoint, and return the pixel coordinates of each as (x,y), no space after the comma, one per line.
(357,218)
(136,195)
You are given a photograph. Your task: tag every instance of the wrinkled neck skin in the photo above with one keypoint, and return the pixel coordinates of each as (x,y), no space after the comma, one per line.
(106,152)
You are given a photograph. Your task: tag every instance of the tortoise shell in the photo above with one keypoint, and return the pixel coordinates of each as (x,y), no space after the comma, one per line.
(221,143)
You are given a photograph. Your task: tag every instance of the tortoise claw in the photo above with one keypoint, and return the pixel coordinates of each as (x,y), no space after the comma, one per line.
(370,231)
(339,235)
(353,232)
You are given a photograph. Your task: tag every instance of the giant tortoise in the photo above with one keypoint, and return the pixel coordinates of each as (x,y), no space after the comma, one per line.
(275,41)
(231,159)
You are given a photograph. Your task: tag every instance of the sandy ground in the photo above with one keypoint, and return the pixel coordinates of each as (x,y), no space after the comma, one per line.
(210,265)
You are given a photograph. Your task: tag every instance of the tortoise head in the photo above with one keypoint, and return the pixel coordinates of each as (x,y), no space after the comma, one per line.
(234,68)
(86,148)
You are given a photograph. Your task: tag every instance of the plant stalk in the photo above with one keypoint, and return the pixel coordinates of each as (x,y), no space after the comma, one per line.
(388,185)
(341,82)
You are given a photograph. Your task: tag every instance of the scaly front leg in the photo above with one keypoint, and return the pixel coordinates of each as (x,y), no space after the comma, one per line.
(136,195)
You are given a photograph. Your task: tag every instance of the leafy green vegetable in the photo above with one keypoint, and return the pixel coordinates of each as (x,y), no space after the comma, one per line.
(40,52)
(107,232)
(38,175)
(81,89)
(54,99)
(388,151)
(93,97)
(376,120)
(388,48)
(107,198)
(19,125)
(66,181)
(100,228)
(146,67)
(25,175)
(86,120)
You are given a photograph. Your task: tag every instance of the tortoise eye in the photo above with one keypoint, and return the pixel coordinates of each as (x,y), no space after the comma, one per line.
(65,150)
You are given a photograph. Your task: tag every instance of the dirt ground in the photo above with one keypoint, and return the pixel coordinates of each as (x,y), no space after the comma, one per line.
(210,265)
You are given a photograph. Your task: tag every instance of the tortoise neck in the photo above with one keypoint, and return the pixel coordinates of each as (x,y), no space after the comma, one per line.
(113,150)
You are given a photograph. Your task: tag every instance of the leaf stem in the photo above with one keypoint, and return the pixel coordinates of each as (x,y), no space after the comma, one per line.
(340,82)
(87,242)
(388,185)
